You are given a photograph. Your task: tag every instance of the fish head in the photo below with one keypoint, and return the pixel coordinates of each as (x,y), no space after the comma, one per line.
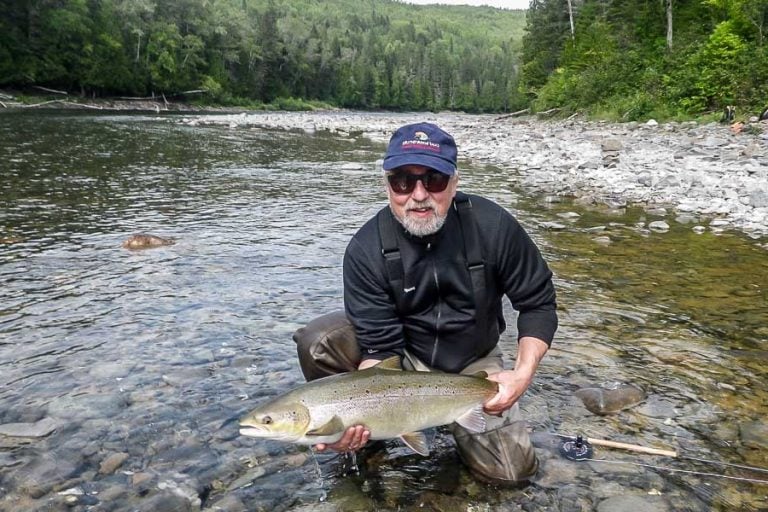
(284,421)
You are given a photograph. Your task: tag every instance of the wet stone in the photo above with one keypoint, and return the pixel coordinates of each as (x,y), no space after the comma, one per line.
(88,406)
(754,434)
(659,226)
(111,370)
(633,503)
(186,376)
(8,460)
(41,476)
(41,428)
(111,463)
(165,501)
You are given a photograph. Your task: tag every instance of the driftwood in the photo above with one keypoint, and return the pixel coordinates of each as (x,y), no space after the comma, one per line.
(548,112)
(514,114)
(54,91)
(154,97)
(64,102)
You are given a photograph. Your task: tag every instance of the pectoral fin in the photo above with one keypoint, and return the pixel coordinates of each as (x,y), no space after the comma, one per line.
(390,363)
(473,420)
(334,426)
(417,442)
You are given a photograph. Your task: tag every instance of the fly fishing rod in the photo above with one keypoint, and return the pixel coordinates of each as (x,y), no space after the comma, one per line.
(579,448)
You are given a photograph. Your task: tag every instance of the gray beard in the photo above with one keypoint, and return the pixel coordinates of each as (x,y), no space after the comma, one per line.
(422,228)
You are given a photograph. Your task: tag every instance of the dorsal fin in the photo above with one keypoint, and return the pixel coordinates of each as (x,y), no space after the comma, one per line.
(416,441)
(473,420)
(390,363)
(333,426)
(481,374)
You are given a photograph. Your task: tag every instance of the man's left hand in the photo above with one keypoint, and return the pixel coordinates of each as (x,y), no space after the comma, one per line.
(512,385)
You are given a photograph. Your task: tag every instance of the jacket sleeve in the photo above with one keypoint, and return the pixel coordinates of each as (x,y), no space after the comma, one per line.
(527,280)
(368,304)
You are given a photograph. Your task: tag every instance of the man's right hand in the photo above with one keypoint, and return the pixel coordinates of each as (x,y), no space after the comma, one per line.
(352,440)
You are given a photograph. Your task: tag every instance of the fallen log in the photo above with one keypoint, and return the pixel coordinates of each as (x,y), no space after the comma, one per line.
(64,102)
(54,91)
(514,114)
(548,112)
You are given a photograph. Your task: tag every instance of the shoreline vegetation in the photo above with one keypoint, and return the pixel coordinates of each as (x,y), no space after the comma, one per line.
(195,101)
(613,60)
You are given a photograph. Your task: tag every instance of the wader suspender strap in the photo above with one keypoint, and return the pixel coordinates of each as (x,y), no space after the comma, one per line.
(475,264)
(391,253)
(474,257)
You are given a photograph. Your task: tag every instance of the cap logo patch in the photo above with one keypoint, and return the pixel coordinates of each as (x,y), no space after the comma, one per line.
(420,142)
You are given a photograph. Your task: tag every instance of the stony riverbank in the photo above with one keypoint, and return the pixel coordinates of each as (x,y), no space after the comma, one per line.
(705,175)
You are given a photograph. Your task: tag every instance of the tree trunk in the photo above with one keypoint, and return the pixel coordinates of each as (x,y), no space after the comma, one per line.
(570,18)
(669,24)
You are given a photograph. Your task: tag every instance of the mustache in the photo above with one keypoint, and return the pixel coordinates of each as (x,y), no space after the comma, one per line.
(413,205)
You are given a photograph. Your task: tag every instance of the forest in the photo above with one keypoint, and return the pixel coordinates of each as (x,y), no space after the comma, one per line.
(637,59)
(365,54)
(615,59)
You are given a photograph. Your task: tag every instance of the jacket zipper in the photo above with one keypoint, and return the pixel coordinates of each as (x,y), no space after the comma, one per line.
(439,311)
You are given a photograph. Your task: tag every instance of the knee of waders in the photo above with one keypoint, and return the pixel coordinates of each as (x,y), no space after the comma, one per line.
(503,456)
(327,346)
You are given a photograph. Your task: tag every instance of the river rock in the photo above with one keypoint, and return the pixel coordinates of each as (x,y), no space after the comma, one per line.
(610,399)
(754,434)
(41,428)
(145,241)
(111,463)
(44,474)
(87,406)
(634,503)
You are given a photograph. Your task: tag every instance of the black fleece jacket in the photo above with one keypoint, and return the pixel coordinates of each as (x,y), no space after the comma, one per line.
(436,320)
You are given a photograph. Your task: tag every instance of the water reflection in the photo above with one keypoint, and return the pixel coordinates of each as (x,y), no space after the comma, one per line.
(145,357)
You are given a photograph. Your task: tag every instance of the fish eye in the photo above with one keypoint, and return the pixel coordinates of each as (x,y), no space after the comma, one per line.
(267,420)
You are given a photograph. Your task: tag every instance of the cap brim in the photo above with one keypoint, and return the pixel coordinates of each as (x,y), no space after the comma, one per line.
(433,162)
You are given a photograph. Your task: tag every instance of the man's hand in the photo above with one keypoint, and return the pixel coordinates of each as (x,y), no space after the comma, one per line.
(513,383)
(353,439)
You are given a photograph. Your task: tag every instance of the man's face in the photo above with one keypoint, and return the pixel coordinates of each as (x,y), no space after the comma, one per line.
(420,211)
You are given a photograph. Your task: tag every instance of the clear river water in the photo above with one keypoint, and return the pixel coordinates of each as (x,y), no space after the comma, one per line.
(122,373)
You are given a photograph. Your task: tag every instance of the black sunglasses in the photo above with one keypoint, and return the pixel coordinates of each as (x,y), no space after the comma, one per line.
(404,183)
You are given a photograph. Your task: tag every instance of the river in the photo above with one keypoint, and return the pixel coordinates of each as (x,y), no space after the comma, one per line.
(125,370)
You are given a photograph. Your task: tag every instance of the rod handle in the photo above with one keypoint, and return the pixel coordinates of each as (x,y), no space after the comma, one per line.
(632,447)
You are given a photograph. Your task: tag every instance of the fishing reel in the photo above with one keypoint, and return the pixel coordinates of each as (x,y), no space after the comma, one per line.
(576,449)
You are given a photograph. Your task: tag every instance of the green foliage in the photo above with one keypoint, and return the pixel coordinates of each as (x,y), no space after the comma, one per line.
(378,54)
(619,65)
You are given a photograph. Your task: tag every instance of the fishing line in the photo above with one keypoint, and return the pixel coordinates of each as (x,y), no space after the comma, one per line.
(677,470)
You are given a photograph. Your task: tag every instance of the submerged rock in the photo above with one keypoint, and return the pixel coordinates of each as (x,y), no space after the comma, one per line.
(612,399)
(144,241)
(40,428)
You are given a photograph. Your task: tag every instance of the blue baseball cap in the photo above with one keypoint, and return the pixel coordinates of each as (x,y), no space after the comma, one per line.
(421,144)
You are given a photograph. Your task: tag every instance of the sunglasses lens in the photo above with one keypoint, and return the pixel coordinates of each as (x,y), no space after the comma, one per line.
(435,181)
(404,183)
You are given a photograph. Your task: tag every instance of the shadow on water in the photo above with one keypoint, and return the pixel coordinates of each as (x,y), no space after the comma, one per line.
(125,369)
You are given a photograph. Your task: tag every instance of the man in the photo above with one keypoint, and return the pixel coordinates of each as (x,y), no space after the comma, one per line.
(424,280)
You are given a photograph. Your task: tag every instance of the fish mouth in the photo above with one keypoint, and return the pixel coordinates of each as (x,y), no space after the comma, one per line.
(253,432)
(266,433)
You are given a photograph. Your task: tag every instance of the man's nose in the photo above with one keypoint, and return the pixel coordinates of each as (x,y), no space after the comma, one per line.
(419,192)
